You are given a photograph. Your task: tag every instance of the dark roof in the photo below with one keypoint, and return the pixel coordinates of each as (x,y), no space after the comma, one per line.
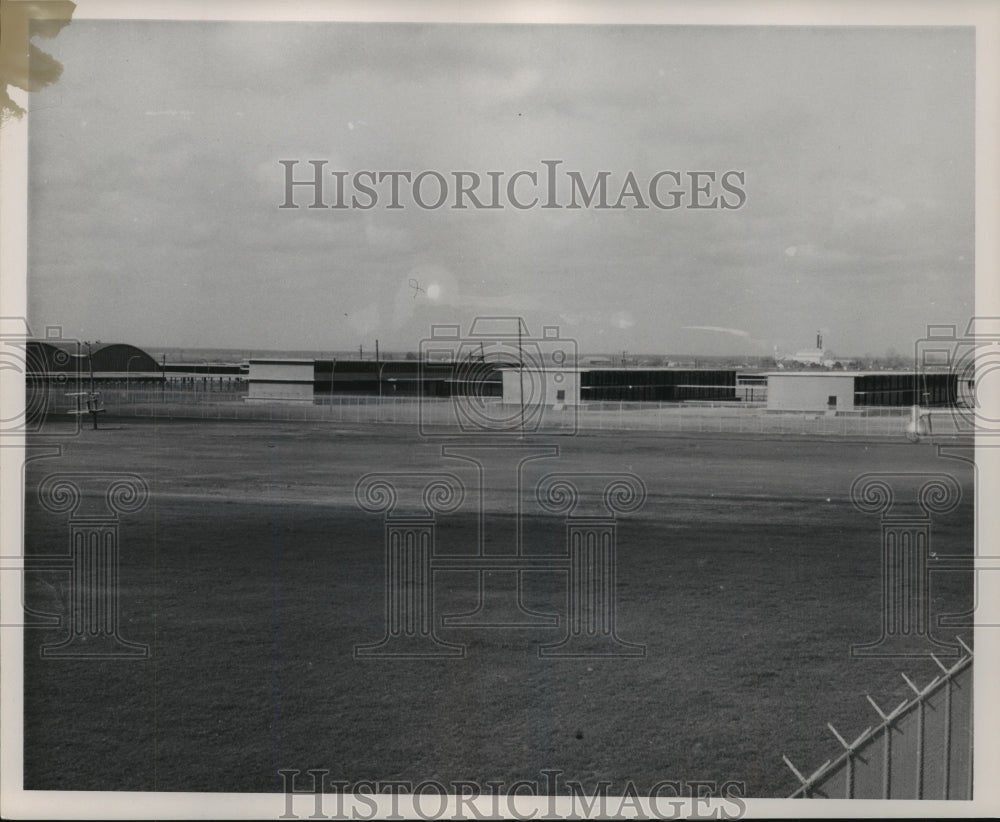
(63,357)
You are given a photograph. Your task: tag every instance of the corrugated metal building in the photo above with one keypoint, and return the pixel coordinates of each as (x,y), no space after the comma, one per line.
(51,359)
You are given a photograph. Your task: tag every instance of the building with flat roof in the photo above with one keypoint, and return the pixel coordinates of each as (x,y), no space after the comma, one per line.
(579,385)
(281,380)
(307,380)
(847,390)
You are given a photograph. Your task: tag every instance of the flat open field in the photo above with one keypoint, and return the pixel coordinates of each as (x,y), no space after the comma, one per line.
(252,574)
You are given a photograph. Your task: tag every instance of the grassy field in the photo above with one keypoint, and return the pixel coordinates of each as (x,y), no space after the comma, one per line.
(252,574)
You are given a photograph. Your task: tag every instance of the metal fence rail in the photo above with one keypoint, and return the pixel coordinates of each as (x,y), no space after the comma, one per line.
(922,749)
(167,402)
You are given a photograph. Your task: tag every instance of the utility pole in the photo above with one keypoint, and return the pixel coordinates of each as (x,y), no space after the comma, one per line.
(378,377)
(79,401)
(520,373)
(92,396)
(90,363)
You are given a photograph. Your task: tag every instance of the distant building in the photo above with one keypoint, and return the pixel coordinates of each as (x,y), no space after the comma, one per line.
(810,391)
(281,380)
(306,380)
(574,386)
(64,359)
(836,391)
(811,356)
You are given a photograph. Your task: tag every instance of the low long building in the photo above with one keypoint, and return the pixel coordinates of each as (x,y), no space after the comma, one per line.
(308,380)
(281,380)
(305,380)
(578,386)
(847,390)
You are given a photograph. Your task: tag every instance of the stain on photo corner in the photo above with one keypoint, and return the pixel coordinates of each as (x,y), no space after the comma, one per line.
(23,64)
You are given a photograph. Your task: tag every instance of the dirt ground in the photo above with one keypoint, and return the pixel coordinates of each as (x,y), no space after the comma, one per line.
(252,573)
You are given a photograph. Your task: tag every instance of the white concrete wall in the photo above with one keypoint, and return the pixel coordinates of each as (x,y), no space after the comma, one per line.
(541,386)
(809,392)
(280,380)
(282,370)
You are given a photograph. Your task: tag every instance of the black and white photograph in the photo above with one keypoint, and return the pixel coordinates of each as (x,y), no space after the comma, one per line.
(468,413)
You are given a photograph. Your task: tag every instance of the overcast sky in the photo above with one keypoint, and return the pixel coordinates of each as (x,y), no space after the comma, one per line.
(155,184)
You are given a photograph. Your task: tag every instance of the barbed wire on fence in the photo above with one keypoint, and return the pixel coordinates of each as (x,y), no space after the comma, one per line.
(921,749)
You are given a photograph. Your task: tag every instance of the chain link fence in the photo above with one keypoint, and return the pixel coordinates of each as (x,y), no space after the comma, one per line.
(922,749)
(226,402)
